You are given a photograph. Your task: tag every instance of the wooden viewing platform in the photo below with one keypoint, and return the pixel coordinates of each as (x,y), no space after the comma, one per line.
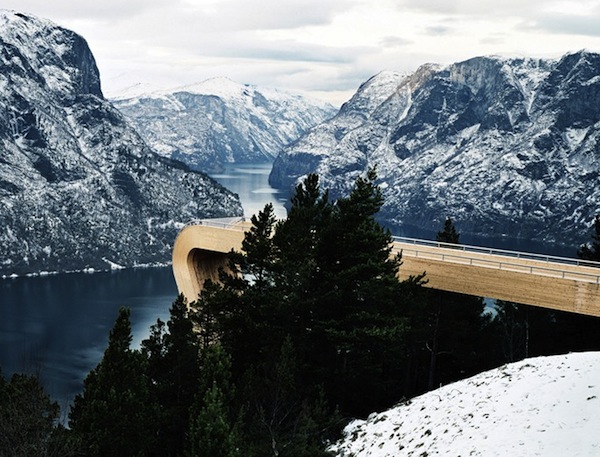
(551,282)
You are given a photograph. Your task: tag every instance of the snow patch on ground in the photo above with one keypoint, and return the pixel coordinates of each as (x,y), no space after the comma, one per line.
(545,406)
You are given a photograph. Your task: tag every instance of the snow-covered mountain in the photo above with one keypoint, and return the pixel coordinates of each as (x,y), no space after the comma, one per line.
(509,148)
(78,187)
(546,406)
(219,121)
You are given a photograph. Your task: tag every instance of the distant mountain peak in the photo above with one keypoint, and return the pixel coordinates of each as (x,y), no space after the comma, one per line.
(58,56)
(506,146)
(219,121)
(219,86)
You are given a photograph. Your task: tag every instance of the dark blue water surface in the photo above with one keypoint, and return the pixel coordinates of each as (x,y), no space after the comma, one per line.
(57,326)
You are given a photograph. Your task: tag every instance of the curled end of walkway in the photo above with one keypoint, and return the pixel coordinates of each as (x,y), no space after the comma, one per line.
(201,248)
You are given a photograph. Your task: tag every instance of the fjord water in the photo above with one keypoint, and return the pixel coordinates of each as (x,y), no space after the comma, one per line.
(251,183)
(57,326)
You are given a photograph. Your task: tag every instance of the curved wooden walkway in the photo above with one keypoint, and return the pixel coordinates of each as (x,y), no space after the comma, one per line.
(551,282)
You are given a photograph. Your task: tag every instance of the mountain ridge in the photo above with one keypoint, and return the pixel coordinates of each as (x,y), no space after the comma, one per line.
(218,121)
(507,147)
(79,188)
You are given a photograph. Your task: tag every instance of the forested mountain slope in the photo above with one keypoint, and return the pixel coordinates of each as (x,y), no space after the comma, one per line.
(78,187)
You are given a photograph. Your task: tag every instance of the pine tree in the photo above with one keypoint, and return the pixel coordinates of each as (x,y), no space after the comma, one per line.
(297,236)
(115,415)
(213,429)
(591,251)
(204,314)
(28,418)
(448,234)
(296,241)
(258,248)
(283,416)
(211,432)
(174,370)
(323,283)
(358,296)
(250,309)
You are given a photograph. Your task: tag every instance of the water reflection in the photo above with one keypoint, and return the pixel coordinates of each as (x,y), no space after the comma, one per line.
(251,183)
(57,326)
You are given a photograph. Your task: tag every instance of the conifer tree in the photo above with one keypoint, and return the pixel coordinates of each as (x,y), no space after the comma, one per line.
(257,246)
(211,432)
(283,416)
(296,240)
(28,419)
(250,309)
(174,370)
(322,282)
(115,415)
(591,251)
(213,429)
(298,235)
(358,311)
(448,234)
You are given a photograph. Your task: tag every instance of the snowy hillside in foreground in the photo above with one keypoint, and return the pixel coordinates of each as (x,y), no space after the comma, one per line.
(546,406)
(219,121)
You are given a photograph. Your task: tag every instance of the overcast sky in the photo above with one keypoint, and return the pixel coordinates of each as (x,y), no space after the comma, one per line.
(324,48)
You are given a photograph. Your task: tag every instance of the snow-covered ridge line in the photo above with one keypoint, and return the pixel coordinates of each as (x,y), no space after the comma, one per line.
(219,121)
(507,147)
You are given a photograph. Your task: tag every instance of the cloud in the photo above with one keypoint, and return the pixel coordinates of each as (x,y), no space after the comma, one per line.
(394,42)
(66,10)
(321,46)
(473,8)
(275,14)
(293,51)
(438,30)
(568,24)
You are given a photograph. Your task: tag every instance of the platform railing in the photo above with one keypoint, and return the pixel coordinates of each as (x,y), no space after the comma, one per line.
(230,223)
(492,261)
(502,252)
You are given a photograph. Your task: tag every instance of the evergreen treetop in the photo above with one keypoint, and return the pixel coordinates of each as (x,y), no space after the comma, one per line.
(448,234)
(591,251)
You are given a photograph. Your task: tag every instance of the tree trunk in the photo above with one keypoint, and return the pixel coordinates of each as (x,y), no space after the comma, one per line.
(434,347)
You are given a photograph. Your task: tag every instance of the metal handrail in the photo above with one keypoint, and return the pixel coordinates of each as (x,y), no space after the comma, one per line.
(230,223)
(233,223)
(502,265)
(495,251)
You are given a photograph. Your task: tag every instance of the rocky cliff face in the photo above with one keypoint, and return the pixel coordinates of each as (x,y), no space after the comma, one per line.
(219,121)
(509,148)
(78,187)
